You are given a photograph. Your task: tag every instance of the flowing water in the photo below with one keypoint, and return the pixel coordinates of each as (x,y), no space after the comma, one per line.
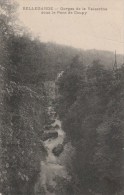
(53,166)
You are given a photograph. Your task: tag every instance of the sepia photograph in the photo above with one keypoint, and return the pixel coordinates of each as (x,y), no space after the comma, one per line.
(61,97)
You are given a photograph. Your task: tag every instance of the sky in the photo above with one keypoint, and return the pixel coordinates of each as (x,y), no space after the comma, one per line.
(102,30)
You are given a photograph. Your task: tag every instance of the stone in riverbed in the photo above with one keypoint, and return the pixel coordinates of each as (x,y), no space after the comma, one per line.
(56,126)
(49,135)
(48,127)
(58,149)
(50,188)
(51,121)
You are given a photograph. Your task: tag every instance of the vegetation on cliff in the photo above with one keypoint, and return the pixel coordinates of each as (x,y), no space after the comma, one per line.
(22,108)
(90,105)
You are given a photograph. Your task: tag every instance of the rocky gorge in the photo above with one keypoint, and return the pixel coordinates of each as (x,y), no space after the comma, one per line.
(53,138)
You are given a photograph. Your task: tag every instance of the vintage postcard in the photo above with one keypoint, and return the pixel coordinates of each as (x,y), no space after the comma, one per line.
(61,97)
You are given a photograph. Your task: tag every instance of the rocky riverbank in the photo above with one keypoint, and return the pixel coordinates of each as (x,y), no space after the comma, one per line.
(53,166)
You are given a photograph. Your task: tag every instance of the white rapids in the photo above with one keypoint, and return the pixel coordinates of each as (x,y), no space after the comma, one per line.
(53,166)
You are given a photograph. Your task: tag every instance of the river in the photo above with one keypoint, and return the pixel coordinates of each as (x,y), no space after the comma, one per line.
(53,166)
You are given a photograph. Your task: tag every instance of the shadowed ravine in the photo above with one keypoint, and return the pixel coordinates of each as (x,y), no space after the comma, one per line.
(53,138)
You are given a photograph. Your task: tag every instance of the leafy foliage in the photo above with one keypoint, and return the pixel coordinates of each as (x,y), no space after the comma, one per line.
(22,109)
(93,121)
(90,104)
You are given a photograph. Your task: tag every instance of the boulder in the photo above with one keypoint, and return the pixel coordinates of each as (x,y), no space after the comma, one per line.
(51,121)
(49,127)
(50,188)
(58,149)
(49,135)
(56,127)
